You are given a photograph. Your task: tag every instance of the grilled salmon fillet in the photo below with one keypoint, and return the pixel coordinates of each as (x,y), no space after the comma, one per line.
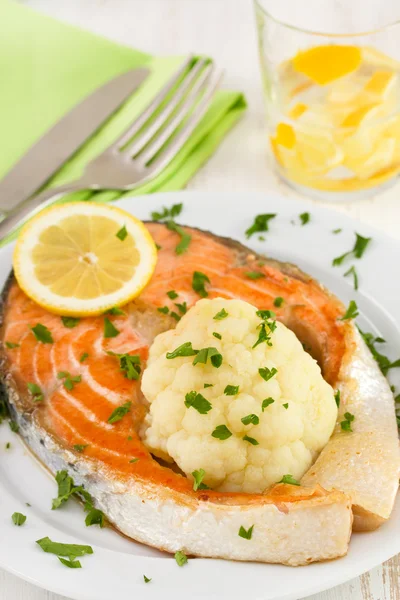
(157,505)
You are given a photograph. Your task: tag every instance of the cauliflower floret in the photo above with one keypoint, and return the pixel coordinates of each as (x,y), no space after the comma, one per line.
(290,413)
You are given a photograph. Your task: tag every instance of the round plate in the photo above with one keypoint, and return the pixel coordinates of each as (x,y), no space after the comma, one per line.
(118,564)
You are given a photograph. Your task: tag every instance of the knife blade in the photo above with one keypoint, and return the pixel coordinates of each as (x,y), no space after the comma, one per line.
(60,142)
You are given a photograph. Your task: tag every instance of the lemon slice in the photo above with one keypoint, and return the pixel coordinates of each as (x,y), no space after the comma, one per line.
(324,64)
(82,258)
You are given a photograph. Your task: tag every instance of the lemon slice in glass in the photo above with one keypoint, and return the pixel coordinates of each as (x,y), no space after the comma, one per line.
(82,258)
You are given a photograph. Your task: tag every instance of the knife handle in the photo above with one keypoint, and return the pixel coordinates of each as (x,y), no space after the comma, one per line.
(17,217)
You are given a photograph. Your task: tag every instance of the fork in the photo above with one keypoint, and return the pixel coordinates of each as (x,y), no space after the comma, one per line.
(146,147)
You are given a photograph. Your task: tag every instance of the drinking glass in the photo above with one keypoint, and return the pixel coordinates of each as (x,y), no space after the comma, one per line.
(331,76)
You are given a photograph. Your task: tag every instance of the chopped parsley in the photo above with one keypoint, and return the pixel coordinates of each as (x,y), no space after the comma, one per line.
(146,579)
(133,460)
(69,550)
(250,419)
(266,373)
(278,301)
(12,345)
(336,230)
(246,533)
(217,335)
(260,224)
(70,322)
(80,447)
(67,489)
(337,398)
(352,271)
(69,380)
(8,446)
(181,558)
(83,357)
(198,477)
(122,233)
(383,361)
(351,312)
(71,563)
(231,390)
(198,402)
(222,314)
(265,314)
(175,316)
(186,238)
(198,282)
(110,330)
(266,403)
(255,275)
(346,423)
(119,412)
(129,364)
(357,251)
(181,307)
(264,335)
(183,350)
(14,426)
(95,517)
(167,213)
(251,440)
(289,479)
(163,309)
(35,390)
(115,311)
(172,294)
(18,519)
(286,405)
(305,218)
(208,353)
(207,385)
(221,432)
(42,334)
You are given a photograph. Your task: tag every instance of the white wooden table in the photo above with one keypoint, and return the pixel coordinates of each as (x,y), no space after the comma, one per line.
(223,29)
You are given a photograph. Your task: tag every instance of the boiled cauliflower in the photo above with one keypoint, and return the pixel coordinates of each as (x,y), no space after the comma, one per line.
(245,424)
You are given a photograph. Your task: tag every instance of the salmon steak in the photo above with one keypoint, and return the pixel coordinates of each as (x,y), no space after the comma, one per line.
(352,483)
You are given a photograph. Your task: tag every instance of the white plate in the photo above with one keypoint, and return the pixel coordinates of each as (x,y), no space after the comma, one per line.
(117,565)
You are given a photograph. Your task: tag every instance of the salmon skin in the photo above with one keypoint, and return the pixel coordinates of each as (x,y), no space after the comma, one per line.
(157,505)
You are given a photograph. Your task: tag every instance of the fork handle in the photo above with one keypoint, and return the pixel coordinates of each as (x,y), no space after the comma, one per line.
(16,217)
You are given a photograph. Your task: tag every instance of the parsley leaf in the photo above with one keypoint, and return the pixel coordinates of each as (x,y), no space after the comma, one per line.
(83,357)
(352,271)
(383,361)
(255,275)
(42,334)
(231,390)
(198,480)
(250,419)
(286,405)
(35,390)
(304,218)
(71,563)
(208,353)
(110,330)
(266,403)
(337,398)
(80,447)
(13,426)
(146,579)
(278,301)
(261,223)
(95,517)
(122,233)
(336,230)
(246,534)
(119,412)
(18,519)
(207,385)
(167,213)
(221,432)
(186,238)
(357,251)
(222,314)
(66,489)
(115,310)
(70,550)
(70,322)
(198,281)
(351,312)
(264,335)
(217,335)
(289,479)
(251,440)
(133,460)
(265,314)
(198,402)
(266,373)
(172,294)
(163,309)
(181,307)
(181,558)
(346,424)
(183,350)
(12,345)
(69,380)
(129,364)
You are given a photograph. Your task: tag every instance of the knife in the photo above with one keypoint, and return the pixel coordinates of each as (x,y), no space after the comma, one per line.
(60,142)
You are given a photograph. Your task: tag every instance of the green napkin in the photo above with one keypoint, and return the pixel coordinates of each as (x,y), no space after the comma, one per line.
(47,67)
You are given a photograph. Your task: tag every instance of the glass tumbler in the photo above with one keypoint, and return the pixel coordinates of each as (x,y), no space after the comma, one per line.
(331,76)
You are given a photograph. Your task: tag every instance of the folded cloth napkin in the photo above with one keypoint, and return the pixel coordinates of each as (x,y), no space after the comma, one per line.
(47,67)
